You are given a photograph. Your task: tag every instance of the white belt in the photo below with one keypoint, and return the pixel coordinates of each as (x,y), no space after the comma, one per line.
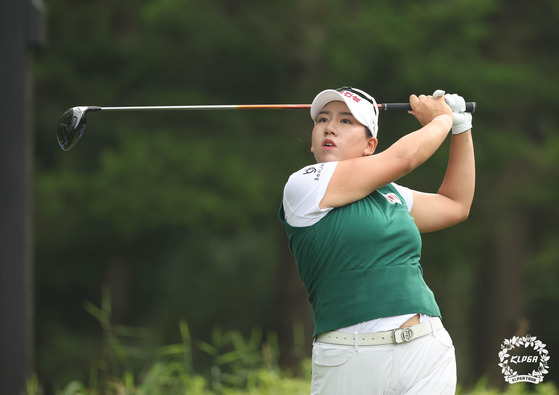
(400,335)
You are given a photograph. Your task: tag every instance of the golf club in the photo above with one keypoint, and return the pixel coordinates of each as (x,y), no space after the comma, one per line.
(72,123)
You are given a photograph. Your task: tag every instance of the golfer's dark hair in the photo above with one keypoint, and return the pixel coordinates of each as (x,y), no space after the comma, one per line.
(368,132)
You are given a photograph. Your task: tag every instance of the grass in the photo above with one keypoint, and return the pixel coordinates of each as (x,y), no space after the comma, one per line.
(237,365)
(171,378)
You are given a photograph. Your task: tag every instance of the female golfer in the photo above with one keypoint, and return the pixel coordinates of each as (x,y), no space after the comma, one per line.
(355,235)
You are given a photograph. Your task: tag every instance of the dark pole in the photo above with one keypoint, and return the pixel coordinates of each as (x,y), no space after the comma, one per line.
(21,33)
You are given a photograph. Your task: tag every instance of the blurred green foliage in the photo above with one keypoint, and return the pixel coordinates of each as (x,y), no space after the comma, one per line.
(175,212)
(239,365)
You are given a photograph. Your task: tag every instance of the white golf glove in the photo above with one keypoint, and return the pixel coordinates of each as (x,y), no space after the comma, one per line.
(462,121)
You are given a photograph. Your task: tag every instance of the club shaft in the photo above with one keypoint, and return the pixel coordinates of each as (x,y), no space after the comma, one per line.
(470,107)
(211,107)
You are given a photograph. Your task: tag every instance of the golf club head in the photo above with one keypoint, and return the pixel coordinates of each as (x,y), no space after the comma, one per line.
(71,126)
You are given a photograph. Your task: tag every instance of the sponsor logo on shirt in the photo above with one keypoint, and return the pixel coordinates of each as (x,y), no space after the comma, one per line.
(309,170)
(313,170)
(392,198)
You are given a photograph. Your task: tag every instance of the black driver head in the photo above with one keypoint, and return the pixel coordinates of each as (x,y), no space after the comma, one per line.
(71,127)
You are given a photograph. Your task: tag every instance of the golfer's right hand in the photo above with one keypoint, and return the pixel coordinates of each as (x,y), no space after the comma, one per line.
(427,108)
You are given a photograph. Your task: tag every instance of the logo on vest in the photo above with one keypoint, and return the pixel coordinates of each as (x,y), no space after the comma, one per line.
(392,198)
(530,360)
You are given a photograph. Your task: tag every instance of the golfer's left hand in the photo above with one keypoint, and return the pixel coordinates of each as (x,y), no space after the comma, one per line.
(462,121)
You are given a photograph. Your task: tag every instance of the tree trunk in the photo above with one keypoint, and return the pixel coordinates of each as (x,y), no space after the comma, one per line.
(500,313)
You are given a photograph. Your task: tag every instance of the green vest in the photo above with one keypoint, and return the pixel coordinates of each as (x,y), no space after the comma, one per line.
(361,262)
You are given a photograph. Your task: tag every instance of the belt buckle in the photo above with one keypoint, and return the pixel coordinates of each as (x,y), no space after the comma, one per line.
(405,334)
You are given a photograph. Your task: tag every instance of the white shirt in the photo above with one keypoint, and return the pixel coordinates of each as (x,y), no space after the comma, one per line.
(305,189)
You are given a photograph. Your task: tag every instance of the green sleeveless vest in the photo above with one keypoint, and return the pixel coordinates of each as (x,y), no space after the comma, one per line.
(361,262)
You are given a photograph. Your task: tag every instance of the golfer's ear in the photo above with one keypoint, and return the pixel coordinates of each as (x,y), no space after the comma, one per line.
(371,146)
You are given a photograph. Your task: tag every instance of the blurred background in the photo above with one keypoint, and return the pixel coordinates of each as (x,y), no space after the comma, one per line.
(157,219)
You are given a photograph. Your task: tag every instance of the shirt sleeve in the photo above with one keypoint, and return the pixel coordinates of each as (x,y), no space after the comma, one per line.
(303,192)
(406,194)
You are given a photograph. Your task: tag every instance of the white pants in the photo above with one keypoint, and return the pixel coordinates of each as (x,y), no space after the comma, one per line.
(425,366)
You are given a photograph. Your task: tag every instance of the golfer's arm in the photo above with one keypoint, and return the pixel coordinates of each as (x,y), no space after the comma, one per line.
(356,178)
(452,203)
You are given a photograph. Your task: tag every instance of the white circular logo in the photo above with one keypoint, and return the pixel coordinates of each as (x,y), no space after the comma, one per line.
(509,363)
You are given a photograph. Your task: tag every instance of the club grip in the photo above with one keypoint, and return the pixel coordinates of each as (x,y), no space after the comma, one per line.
(470,106)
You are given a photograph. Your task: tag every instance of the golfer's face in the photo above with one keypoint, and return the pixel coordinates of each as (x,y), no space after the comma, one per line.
(337,135)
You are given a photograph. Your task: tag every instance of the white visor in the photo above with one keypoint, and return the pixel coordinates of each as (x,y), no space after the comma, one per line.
(361,105)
